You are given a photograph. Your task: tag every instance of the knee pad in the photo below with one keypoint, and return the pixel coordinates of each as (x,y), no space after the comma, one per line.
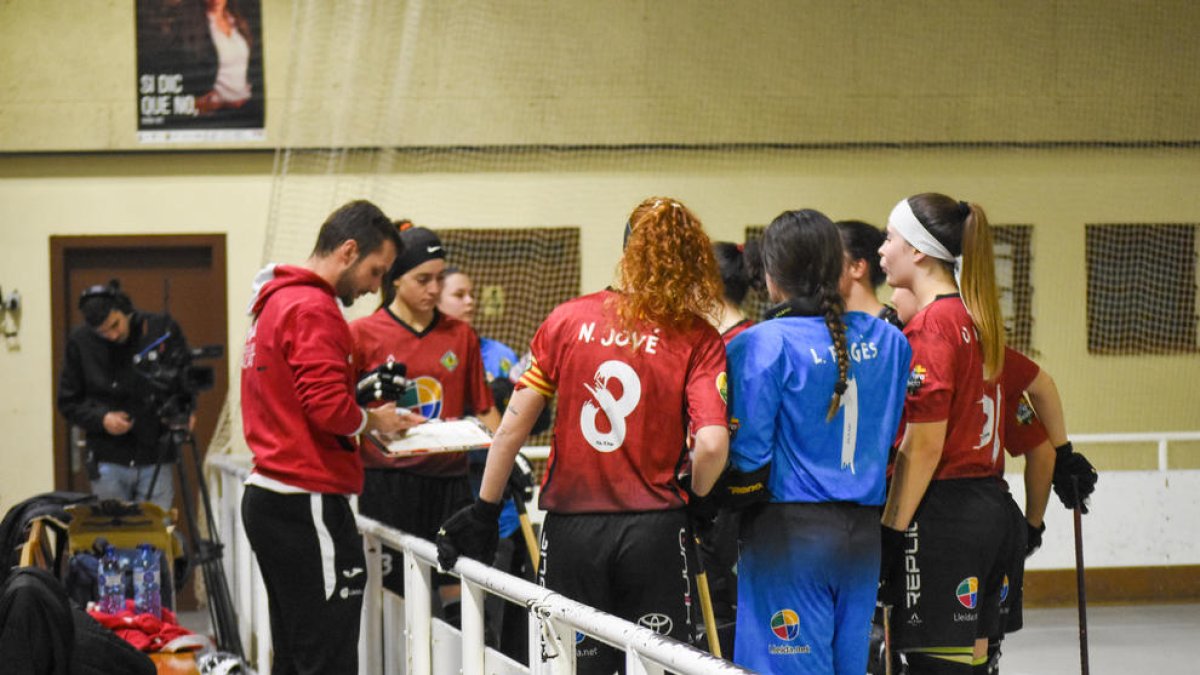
(923,663)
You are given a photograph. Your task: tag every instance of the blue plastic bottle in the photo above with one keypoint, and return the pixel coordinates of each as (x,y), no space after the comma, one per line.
(147,593)
(110,582)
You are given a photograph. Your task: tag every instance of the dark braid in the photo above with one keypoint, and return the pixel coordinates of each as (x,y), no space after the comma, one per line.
(832,307)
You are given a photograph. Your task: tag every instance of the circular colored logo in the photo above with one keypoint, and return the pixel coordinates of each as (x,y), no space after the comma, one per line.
(723,386)
(1004,589)
(429,397)
(968,592)
(785,624)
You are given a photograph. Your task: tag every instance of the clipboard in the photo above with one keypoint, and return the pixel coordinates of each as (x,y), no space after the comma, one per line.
(436,437)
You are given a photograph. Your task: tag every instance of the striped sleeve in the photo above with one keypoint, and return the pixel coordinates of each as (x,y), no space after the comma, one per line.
(536,380)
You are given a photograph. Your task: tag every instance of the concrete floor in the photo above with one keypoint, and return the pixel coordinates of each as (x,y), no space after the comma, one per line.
(1122,640)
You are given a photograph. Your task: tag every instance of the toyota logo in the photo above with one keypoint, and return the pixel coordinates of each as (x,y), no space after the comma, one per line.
(659,623)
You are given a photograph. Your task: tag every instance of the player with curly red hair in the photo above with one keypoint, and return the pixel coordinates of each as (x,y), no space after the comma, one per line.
(633,368)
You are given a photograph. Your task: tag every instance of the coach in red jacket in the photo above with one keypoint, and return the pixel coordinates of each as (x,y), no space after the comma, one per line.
(301,422)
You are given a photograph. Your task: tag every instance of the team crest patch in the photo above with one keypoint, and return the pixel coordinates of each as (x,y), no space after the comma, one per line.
(1024,413)
(723,387)
(449,361)
(916,378)
(968,592)
(785,624)
(1004,589)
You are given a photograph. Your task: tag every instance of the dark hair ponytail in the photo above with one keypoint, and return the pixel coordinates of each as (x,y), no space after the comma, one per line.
(832,308)
(802,252)
(962,227)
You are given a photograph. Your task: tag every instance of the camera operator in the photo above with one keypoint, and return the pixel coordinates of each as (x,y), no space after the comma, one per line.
(102,390)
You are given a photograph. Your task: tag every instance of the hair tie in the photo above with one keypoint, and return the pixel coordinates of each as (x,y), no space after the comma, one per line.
(840,388)
(964,210)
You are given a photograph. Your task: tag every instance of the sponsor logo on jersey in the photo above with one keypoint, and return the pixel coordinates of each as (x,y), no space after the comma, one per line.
(785,624)
(912,570)
(916,378)
(723,387)
(1004,589)
(449,361)
(579,637)
(659,623)
(429,397)
(968,592)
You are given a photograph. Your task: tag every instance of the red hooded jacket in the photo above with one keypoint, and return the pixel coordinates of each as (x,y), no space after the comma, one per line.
(298,406)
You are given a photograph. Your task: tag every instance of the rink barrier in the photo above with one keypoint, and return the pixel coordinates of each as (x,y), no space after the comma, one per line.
(401,635)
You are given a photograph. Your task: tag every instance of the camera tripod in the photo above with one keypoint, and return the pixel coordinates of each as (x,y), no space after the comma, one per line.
(206,551)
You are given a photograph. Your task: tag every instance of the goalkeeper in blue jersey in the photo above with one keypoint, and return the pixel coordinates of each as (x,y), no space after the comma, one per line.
(816,398)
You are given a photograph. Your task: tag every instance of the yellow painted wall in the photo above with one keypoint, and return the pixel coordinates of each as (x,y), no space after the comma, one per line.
(637,71)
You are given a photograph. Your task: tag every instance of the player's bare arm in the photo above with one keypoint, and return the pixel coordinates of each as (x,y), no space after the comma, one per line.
(519,418)
(1043,393)
(916,461)
(709,456)
(1039,470)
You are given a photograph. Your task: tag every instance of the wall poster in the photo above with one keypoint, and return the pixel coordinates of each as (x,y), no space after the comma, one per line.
(200,71)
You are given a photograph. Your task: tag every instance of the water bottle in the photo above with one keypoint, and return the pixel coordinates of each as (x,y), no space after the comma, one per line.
(111,583)
(147,594)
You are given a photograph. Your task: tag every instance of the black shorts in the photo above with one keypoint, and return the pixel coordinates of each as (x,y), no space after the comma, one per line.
(1012,590)
(955,560)
(416,505)
(633,565)
(311,558)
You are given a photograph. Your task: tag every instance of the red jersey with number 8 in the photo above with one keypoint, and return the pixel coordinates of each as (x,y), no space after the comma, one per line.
(946,383)
(625,399)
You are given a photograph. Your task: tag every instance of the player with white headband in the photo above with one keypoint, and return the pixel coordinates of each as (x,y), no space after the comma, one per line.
(946,525)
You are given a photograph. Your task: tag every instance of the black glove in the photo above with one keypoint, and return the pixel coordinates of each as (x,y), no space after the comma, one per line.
(891,552)
(473,531)
(1071,465)
(520,481)
(739,490)
(702,511)
(385,383)
(502,391)
(1033,537)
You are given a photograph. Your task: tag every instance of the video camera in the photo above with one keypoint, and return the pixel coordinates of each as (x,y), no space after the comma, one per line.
(173,379)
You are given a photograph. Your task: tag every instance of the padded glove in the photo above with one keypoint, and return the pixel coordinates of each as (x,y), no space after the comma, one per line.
(1033,537)
(739,490)
(473,531)
(1069,464)
(385,383)
(520,481)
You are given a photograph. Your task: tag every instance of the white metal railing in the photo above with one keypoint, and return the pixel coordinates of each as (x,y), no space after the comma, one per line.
(427,645)
(1160,438)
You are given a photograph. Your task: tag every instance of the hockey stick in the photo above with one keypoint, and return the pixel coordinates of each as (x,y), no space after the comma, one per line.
(1079,580)
(887,639)
(706,605)
(527,530)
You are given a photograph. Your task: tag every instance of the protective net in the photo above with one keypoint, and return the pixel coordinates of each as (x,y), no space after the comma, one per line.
(526,131)
(1141,290)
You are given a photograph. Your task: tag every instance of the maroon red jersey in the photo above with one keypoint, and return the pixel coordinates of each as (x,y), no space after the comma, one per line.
(736,330)
(444,363)
(946,384)
(625,400)
(1023,431)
